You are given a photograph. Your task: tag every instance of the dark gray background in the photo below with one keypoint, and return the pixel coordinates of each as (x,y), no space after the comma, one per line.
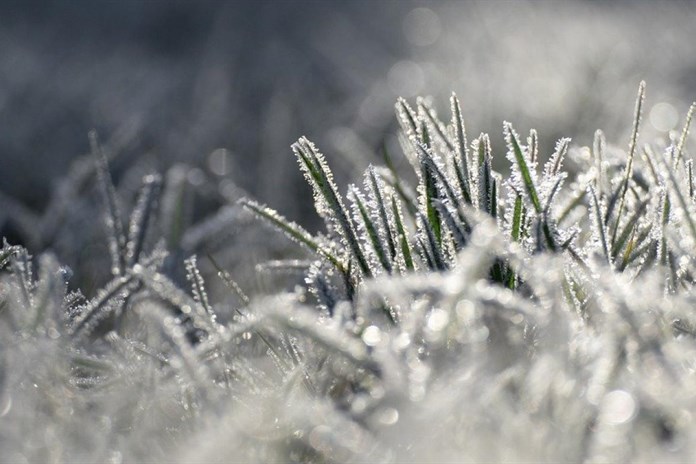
(184,78)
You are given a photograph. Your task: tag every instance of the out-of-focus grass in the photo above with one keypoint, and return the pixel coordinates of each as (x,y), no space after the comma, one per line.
(186,78)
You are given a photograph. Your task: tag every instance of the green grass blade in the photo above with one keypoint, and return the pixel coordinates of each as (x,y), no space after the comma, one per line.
(599,223)
(493,196)
(446,190)
(546,224)
(370,227)
(374,183)
(517,219)
(427,189)
(461,154)
(402,235)
(427,113)
(459,234)
(637,248)
(629,229)
(292,230)
(522,163)
(548,235)
(484,174)
(431,245)
(327,199)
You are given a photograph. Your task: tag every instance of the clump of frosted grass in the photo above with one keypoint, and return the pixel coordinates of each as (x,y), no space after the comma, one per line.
(538,316)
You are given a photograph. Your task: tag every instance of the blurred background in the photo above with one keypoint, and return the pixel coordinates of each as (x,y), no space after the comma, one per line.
(226,87)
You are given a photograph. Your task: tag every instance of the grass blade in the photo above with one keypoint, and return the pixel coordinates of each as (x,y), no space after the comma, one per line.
(553,166)
(517,219)
(376,188)
(599,224)
(197,283)
(485,176)
(684,135)
(520,161)
(402,235)
(363,218)
(141,216)
(427,191)
(628,172)
(431,244)
(7,252)
(114,223)
(327,199)
(629,229)
(686,212)
(461,154)
(292,230)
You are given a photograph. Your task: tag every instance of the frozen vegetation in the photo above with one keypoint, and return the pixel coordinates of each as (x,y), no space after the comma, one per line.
(456,314)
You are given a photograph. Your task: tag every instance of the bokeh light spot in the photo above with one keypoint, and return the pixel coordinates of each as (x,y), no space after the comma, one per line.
(664,117)
(422,26)
(406,78)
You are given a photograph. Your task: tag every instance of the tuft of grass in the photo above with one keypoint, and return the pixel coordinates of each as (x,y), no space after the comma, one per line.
(552,307)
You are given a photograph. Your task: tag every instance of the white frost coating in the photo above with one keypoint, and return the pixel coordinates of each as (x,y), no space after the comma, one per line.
(560,338)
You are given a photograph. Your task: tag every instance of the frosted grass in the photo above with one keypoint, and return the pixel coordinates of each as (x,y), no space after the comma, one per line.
(538,316)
